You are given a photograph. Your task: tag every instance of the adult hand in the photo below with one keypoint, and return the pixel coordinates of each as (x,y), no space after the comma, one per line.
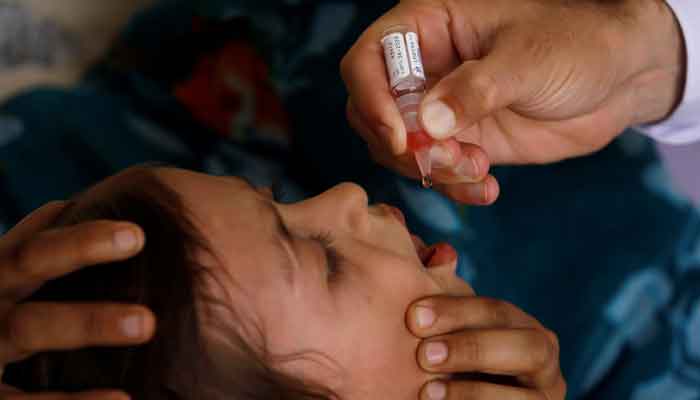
(31,256)
(490,348)
(526,81)
(497,350)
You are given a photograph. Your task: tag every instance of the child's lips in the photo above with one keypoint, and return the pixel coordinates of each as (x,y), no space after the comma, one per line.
(435,255)
(430,256)
(440,254)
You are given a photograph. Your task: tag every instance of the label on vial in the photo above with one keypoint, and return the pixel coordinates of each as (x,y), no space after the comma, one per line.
(396,56)
(414,55)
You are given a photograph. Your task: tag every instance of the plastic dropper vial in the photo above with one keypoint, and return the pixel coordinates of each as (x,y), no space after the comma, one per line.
(404,64)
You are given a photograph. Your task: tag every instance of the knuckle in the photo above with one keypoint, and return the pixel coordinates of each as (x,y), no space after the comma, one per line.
(539,46)
(553,340)
(21,328)
(93,327)
(498,312)
(467,350)
(543,353)
(469,390)
(23,261)
(358,222)
(484,88)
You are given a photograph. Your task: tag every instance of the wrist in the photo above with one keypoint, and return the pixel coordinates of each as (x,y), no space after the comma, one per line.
(658,83)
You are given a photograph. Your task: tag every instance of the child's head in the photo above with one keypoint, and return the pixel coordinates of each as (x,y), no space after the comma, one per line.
(254,299)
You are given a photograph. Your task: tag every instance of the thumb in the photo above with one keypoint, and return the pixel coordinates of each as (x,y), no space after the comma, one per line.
(473,91)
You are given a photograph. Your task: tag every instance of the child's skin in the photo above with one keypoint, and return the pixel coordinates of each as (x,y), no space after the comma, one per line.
(349,303)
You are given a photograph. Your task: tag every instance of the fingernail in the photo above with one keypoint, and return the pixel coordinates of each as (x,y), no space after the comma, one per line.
(425,317)
(132,326)
(435,352)
(468,168)
(438,119)
(125,240)
(436,390)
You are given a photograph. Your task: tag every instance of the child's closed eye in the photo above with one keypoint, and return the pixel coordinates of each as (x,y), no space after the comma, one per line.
(335,261)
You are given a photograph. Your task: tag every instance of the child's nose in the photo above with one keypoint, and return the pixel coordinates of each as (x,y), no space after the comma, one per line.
(347,205)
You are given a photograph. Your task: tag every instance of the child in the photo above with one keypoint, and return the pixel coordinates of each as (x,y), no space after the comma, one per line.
(254,299)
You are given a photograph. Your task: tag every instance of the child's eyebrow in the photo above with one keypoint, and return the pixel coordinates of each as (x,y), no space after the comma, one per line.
(283,240)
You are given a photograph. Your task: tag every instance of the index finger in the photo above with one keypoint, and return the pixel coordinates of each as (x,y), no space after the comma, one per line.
(39,219)
(57,252)
(364,73)
(442,315)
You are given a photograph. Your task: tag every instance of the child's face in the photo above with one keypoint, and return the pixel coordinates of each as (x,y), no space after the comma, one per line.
(347,304)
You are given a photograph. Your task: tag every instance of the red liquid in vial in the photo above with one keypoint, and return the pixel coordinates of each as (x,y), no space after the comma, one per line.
(418,140)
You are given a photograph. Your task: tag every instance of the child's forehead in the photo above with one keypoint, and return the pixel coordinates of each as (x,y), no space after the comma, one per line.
(131,177)
(203,185)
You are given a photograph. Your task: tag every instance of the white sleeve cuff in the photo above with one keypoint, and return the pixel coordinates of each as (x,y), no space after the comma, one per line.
(683,126)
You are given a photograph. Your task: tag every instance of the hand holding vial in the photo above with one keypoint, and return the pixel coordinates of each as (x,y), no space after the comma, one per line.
(504,82)
(443,159)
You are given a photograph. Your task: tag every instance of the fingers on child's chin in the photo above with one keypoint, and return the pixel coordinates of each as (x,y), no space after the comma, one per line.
(469,389)
(482,193)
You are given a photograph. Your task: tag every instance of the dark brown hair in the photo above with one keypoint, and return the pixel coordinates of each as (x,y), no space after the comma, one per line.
(164,277)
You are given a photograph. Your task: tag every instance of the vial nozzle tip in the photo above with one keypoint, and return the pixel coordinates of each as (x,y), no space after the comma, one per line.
(427,181)
(424,165)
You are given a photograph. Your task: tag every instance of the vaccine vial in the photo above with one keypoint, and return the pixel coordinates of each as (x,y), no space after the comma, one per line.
(404,64)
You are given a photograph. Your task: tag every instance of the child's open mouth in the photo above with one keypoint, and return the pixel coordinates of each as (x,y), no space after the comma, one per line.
(437,254)
(430,256)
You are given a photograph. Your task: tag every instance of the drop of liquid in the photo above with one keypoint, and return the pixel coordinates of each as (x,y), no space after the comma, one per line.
(427,182)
